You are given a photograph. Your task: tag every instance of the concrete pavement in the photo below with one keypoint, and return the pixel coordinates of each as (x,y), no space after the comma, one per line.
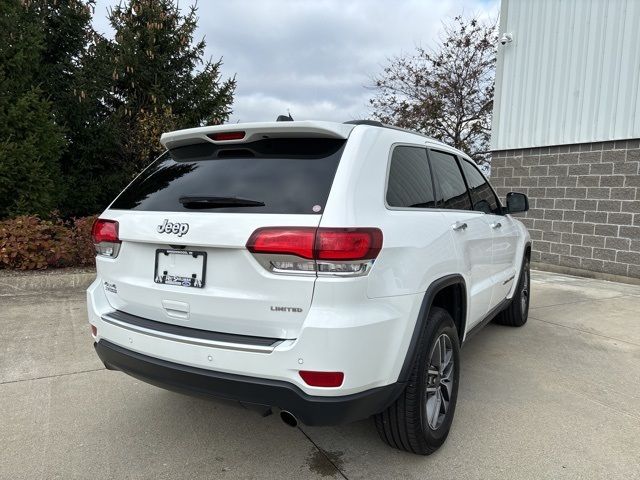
(557,399)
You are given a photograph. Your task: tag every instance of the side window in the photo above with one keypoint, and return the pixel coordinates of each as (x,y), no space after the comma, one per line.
(410,182)
(452,191)
(483,198)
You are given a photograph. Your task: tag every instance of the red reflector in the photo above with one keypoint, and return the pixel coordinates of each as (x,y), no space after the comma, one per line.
(348,243)
(105,231)
(220,136)
(283,241)
(94,331)
(322,379)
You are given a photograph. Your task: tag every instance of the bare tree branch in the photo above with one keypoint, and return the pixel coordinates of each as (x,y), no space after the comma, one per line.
(447,91)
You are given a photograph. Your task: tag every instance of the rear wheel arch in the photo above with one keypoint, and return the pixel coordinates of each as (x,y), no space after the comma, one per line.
(516,312)
(526,255)
(448,292)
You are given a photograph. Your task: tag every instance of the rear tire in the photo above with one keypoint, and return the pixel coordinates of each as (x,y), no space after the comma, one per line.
(517,313)
(420,419)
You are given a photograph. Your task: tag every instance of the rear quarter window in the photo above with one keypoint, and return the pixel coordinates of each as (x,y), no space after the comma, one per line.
(409,183)
(286,175)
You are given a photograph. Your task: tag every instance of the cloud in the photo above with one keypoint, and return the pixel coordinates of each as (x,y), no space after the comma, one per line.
(315,58)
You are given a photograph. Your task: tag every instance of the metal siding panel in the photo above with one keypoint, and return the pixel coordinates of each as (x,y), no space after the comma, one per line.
(538,74)
(598,52)
(615,49)
(603,115)
(571,75)
(555,97)
(628,77)
(634,33)
(586,73)
(497,105)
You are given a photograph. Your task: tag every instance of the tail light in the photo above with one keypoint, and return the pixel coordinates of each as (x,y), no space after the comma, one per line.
(321,251)
(105,237)
(322,379)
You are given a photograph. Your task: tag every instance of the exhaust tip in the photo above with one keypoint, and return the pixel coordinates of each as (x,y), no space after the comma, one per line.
(289,418)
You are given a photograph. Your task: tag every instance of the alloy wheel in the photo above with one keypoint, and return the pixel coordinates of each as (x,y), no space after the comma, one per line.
(439,381)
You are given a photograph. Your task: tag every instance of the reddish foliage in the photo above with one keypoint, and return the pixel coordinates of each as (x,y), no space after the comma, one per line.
(30,243)
(81,231)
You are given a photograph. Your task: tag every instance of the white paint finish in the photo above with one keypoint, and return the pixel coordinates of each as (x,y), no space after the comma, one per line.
(372,331)
(361,326)
(237,288)
(571,74)
(256,131)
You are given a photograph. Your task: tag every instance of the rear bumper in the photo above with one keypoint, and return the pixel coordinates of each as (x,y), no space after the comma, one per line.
(309,409)
(365,339)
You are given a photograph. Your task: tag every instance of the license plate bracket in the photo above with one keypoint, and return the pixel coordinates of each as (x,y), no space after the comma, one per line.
(183,268)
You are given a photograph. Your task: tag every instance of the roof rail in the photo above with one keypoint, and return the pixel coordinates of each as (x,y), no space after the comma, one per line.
(376,123)
(373,123)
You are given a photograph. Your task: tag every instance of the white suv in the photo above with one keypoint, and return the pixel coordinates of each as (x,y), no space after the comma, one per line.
(328,270)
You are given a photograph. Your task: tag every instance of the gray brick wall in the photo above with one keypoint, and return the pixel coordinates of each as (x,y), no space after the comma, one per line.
(584,203)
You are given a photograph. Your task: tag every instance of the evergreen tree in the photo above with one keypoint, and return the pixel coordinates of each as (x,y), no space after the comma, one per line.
(30,140)
(74,75)
(160,79)
(81,114)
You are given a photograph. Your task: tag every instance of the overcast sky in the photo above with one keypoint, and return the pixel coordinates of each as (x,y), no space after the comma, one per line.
(313,57)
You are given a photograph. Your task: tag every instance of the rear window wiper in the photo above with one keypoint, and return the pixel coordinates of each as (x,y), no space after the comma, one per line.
(197,202)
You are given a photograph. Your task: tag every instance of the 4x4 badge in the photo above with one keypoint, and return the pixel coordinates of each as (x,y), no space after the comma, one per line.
(177,228)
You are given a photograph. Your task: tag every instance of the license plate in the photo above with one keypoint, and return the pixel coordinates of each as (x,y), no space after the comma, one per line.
(184,268)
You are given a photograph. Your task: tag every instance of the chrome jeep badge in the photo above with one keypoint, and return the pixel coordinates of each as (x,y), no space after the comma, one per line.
(177,228)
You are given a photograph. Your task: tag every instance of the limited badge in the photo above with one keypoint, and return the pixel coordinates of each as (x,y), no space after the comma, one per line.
(110,287)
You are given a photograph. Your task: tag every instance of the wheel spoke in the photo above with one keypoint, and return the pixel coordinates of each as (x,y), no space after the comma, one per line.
(446,389)
(446,376)
(447,359)
(444,400)
(430,406)
(435,356)
(443,353)
(436,409)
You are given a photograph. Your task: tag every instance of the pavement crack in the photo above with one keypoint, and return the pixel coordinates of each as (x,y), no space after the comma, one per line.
(51,376)
(583,301)
(324,454)
(585,331)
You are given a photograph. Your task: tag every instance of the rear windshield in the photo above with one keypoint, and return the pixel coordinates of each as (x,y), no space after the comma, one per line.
(284,175)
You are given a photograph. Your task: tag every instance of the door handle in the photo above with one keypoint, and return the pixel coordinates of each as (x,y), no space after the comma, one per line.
(459,226)
(496,225)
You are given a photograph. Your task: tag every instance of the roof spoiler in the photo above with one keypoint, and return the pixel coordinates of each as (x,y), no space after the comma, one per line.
(255,131)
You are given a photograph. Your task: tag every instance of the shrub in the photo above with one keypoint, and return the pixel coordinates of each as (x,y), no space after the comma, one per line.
(30,243)
(83,245)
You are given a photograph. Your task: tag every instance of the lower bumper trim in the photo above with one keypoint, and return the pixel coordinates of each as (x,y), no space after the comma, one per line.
(309,409)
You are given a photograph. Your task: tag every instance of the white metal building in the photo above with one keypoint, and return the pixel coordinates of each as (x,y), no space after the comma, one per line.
(566,126)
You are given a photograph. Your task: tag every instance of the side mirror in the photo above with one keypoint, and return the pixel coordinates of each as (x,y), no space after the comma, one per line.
(517,202)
